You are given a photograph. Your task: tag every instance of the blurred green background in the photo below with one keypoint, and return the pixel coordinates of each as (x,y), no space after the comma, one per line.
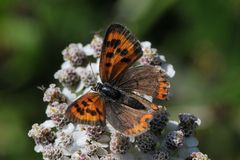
(200,38)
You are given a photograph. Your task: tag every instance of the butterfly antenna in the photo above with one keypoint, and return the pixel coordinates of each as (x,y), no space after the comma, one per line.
(92,70)
(90,63)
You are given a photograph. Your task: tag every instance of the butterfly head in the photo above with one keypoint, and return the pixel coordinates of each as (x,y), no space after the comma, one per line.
(97,87)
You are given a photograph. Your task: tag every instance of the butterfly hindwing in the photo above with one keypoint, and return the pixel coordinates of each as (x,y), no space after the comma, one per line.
(119,51)
(129,121)
(147,79)
(147,104)
(88,109)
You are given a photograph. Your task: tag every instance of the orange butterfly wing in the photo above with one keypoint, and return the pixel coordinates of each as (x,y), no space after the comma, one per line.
(127,120)
(88,109)
(119,51)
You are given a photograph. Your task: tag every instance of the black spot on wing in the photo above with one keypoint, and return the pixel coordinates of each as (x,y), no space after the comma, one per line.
(76,105)
(85,103)
(115,43)
(90,100)
(108,64)
(80,110)
(92,112)
(124,52)
(125,60)
(109,55)
(118,50)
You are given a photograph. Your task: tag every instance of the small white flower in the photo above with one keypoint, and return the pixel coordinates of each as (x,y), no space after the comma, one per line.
(66,64)
(42,135)
(168,69)
(148,53)
(68,77)
(198,122)
(56,108)
(68,129)
(53,94)
(96,44)
(89,75)
(51,152)
(48,124)
(78,155)
(199,156)
(63,139)
(162,57)
(94,150)
(38,148)
(70,95)
(75,54)
(89,50)
(80,137)
(147,50)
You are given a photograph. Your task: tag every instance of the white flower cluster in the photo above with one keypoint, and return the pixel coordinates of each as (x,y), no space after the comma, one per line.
(59,139)
(150,56)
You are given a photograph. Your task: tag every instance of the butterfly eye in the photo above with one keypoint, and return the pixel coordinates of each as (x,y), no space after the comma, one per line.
(94,88)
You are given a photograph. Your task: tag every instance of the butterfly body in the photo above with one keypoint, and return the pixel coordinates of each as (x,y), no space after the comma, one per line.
(117,99)
(111,93)
(108,91)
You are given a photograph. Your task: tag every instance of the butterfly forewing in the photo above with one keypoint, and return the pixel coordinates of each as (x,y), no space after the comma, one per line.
(88,109)
(148,80)
(119,51)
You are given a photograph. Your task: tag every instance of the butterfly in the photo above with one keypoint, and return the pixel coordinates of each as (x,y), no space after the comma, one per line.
(117,98)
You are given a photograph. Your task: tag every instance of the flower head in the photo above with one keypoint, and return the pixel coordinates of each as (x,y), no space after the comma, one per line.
(188,123)
(78,155)
(119,143)
(96,44)
(58,138)
(68,77)
(174,140)
(108,157)
(145,142)
(148,53)
(52,153)
(41,134)
(159,121)
(161,155)
(53,94)
(198,156)
(94,132)
(75,54)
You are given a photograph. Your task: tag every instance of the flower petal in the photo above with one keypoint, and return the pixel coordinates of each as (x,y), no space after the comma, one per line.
(48,124)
